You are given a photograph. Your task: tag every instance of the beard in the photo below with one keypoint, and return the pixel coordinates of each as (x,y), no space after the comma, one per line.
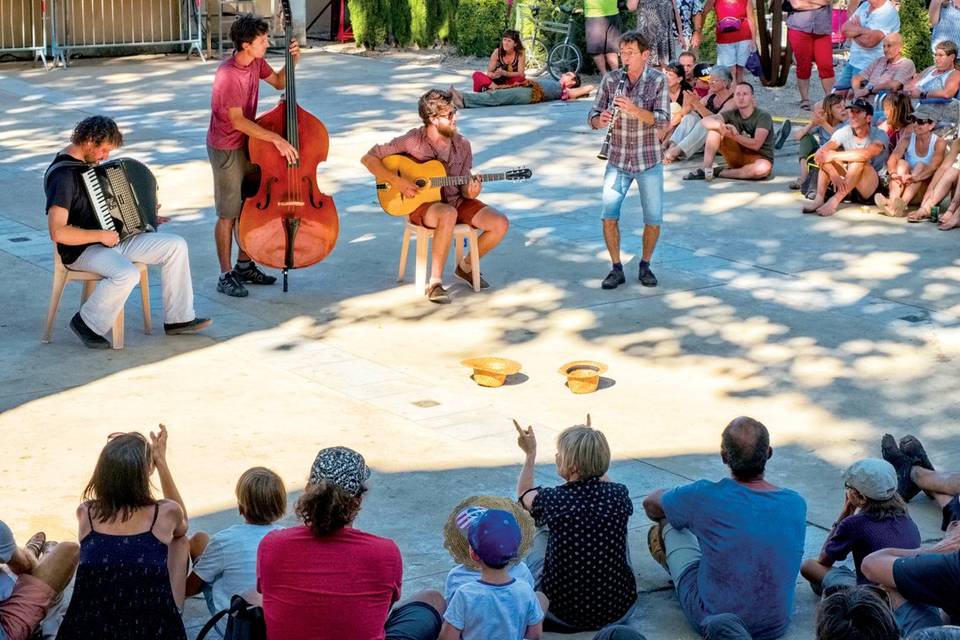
(446,130)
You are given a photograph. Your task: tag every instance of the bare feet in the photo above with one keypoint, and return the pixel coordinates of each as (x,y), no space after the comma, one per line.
(883,203)
(813,206)
(829,207)
(672,154)
(457,97)
(919,215)
(949,220)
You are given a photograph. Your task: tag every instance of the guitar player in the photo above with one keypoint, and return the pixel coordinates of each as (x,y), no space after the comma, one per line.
(438,139)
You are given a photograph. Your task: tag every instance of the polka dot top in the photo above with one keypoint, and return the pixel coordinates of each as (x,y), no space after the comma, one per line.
(586,574)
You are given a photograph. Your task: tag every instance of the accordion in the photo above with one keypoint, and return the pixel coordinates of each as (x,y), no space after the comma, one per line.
(123,193)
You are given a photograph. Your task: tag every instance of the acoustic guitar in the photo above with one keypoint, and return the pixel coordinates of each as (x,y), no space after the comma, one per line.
(429,176)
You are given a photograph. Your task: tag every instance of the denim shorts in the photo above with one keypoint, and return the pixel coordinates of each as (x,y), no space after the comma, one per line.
(616,183)
(845,77)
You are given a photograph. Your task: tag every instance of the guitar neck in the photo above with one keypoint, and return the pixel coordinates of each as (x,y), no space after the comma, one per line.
(456,181)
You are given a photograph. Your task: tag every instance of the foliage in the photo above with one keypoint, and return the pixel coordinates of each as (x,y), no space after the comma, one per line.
(400,19)
(479,25)
(708,42)
(915,29)
(370,20)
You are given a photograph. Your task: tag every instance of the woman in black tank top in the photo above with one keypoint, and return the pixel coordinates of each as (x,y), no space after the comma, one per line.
(506,64)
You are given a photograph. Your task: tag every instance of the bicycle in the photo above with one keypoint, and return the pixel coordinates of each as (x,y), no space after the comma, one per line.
(562,57)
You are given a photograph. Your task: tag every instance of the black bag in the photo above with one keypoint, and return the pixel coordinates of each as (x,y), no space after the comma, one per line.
(245,621)
(809,186)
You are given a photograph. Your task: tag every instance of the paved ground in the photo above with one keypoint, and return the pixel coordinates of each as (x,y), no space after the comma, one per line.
(831,331)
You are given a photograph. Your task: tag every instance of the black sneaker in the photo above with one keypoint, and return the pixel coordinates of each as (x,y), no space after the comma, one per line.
(230,284)
(436,293)
(646,276)
(614,279)
(90,338)
(902,464)
(191,326)
(467,277)
(911,446)
(782,134)
(253,274)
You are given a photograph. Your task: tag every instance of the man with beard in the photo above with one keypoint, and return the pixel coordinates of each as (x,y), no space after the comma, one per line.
(84,246)
(438,139)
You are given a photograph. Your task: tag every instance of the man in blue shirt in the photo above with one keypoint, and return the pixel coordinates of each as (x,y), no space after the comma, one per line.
(733,546)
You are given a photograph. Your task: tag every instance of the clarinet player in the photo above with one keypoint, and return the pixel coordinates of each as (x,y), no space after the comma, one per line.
(631,105)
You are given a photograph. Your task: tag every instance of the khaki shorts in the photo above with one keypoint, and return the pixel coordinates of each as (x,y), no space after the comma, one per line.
(736,155)
(234,179)
(26,607)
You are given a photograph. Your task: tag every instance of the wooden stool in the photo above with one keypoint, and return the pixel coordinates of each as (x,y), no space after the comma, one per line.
(460,232)
(62,275)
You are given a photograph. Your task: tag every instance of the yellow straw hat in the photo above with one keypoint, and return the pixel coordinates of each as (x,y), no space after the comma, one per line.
(491,372)
(583,376)
(456,543)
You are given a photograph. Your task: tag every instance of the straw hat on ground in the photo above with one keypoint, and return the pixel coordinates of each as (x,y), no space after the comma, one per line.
(455,541)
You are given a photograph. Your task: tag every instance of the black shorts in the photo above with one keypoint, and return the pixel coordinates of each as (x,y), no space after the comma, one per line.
(951,512)
(930,578)
(603,34)
(413,621)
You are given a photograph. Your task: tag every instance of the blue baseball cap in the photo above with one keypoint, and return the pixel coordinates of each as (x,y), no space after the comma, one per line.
(493,534)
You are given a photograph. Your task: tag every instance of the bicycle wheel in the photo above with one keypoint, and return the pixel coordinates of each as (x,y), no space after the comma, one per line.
(563,58)
(535,54)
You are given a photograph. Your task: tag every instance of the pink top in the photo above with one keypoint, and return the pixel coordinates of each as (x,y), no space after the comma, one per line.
(234,86)
(729,12)
(337,587)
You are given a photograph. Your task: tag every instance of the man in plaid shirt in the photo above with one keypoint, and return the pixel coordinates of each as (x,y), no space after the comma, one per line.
(635,153)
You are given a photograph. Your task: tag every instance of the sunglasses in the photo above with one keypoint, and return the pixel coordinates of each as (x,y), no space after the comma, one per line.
(922,121)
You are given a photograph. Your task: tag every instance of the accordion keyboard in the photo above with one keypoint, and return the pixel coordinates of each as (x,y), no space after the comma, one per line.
(98,199)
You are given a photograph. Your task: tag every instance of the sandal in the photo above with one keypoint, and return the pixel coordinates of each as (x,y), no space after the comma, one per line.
(696,175)
(918,216)
(805,105)
(35,544)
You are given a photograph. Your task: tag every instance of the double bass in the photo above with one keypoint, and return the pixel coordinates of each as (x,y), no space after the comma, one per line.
(289,223)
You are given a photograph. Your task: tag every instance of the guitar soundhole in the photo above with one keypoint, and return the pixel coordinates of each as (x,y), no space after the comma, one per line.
(421,183)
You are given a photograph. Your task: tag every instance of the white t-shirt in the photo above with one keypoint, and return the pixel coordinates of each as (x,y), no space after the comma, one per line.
(503,611)
(229,563)
(460,575)
(885,19)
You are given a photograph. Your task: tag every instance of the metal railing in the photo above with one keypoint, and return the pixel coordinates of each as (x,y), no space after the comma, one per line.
(82,25)
(23,28)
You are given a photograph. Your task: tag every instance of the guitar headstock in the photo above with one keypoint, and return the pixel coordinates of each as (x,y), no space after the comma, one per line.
(520,173)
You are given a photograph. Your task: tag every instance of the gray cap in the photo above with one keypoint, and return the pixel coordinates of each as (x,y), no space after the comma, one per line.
(342,467)
(874,478)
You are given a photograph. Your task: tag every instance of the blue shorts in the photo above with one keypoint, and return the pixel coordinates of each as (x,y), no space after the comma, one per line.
(845,77)
(413,621)
(616,183)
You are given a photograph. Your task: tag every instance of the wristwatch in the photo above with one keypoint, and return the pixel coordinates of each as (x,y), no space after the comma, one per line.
(923,95)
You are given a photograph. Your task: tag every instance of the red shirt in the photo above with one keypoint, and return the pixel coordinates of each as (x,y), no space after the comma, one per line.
(735,9)
(234,86)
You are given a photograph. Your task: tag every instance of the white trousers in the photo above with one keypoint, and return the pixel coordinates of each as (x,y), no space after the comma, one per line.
(690,135)
(120,275)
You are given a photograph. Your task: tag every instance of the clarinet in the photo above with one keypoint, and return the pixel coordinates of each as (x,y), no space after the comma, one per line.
(616,112)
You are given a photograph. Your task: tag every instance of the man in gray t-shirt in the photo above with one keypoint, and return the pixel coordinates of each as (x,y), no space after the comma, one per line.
(566,88)
(850,162)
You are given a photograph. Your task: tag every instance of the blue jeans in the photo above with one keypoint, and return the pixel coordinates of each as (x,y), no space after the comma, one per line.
(845,77)
(616,183)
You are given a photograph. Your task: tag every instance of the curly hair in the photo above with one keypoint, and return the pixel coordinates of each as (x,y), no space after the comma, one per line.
(326,508)
(432,103)
(247,28)
(98,130)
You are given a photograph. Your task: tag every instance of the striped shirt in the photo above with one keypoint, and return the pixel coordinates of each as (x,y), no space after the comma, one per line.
(457,158)
(948,27)
(634,146)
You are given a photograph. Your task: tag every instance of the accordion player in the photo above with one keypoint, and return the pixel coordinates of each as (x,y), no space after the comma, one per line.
(123,193)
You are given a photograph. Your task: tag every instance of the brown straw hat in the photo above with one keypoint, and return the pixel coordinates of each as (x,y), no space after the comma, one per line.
(456,543)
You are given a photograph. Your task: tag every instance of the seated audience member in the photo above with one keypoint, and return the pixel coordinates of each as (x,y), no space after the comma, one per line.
(534,91)
(688,61)
(874,516)
(227,562)
(743,136)
(579,558)
(497,605)
(912,164)
(328,580)
(702,73)
(732,544)
(938,84)
(937,191)
(41,576)
(915,473)
(506,67)
(897,109)
(858,613)
(827,116)
(689,136)
(677,89)
(889,72)
(946,632)
(454,540)
(851,162)
(133,547)
(866,28)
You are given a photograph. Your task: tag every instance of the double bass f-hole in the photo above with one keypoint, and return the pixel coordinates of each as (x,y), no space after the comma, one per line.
(314,202)
(268,192)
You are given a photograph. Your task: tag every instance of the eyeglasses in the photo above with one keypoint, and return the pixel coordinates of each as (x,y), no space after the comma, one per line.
(922,121)
(450,115)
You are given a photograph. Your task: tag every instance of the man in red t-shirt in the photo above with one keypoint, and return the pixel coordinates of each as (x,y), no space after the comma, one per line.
(233,108)
(326,580)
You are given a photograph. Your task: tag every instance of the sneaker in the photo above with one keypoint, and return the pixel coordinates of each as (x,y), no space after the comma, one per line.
(467,277)
(436,293)
(90,338)
(902,464)
(614,279)
(35,544)
(782,134)
(191,326)
(646,276)
(253,274)
(911,446)
(655,544)
(229,283)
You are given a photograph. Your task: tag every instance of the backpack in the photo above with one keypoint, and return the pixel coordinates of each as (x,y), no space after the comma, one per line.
(244,621)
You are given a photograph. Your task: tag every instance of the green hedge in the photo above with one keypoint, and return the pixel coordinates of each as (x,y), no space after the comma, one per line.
(915,29)
(370,20)
(480,23)
(402,22)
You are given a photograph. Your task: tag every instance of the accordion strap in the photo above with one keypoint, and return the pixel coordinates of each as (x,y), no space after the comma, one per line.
(59,165)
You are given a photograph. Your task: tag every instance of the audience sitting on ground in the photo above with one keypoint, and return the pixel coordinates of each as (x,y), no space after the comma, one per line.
(532,92)
(897,108)
(915,473)
(497,605)
(937,85)
(506,66)
(579,559)
(702,73)
(40,571)
(688,61)
(889,72)
(134,550)
(873,516)
(856,613)
(912,164)
(850,163)
(743,136)
(677,89)
(827,116)
(689,136)
(227,562)
(327,579)
(731,544)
